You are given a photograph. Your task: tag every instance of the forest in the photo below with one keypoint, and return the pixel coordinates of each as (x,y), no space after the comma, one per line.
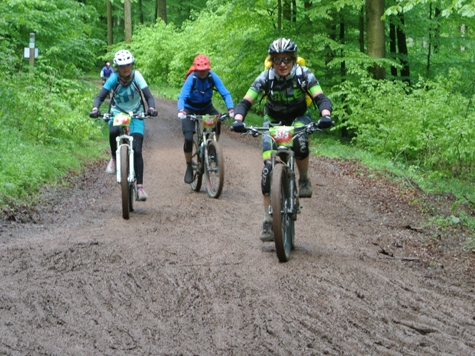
(398,73)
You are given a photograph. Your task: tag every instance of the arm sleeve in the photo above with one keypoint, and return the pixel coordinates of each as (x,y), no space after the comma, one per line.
(225,94)
(242,108)
(148,97)
(100,98)
(323,102)
(185,92)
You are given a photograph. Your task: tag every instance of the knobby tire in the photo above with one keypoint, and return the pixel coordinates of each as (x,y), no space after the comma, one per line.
(197,166)
(214,170)
(124,170)
(282,222)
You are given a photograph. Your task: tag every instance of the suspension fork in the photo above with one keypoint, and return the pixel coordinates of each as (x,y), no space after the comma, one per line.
(287,158)
(125,140)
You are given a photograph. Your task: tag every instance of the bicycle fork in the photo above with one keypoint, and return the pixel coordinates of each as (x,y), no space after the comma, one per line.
(131,172)
(293,207)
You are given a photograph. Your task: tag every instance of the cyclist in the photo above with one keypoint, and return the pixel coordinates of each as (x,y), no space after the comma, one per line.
(195,98)
(285,104)
(106,72)
(127,86)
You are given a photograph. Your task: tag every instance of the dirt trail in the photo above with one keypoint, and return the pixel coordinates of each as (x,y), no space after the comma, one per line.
(188,275)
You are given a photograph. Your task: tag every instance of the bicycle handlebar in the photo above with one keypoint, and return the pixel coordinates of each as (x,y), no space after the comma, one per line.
(220,117)
(108,116)
(300,130)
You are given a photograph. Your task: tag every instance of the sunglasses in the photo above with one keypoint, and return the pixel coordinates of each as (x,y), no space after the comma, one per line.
(286,60)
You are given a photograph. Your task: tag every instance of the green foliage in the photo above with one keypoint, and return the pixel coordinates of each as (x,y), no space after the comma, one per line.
(413,125)
(49,132)
(64,31)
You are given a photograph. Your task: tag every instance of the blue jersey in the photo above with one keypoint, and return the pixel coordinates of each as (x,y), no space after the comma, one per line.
(106,72)
(196,94)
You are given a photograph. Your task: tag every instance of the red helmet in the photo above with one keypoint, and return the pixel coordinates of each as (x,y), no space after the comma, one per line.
(201,62)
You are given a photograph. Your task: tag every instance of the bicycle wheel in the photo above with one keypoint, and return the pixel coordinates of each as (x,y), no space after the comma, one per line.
(124,171)
(197,166)
(282,222)
(214,170)
(132,195)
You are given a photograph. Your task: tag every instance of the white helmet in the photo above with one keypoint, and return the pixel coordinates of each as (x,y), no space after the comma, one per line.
(123,58)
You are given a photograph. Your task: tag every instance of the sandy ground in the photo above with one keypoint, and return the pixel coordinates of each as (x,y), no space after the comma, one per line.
(188,275)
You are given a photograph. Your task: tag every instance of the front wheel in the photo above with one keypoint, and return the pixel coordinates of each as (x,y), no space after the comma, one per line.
(197,166)
(132,196)
(124,184)
(282,222)
(214,170)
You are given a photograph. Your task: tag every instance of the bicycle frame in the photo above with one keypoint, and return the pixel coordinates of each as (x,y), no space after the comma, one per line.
(286,157)
(125,177)
(284,205)
(207,158)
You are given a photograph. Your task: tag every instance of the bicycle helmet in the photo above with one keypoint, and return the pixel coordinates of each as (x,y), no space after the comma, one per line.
(282,45)
(123,58)
(201,62)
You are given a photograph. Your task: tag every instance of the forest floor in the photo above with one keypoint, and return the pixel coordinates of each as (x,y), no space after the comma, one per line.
(188,275)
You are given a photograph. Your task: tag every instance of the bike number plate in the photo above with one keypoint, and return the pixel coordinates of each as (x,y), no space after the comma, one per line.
(209,122)
(122,119)
(282,135)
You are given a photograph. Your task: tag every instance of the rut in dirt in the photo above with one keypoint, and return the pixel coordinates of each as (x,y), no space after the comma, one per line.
(188,275)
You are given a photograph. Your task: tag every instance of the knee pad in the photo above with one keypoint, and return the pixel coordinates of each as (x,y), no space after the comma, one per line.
(301,147)
(265,181)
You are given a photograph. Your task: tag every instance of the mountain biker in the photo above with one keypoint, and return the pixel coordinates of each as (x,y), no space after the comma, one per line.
(195,98)
(106,72)
(127,86)
(285,104)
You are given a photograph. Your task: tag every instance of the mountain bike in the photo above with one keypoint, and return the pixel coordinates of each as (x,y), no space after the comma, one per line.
(125,171)
(284,197)
(207,157)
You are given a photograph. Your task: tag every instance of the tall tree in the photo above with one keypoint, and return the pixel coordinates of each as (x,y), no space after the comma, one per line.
(162,10)
(141,19)
(109,23)
(375,35)
(128,21)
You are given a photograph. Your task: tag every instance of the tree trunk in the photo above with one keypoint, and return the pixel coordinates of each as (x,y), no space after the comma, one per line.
(375,33)
(109,23)
(392,46)
(342,41)
(162,10)
(279,15)
(139,3)
(286,10)
(127,21)
(361,29)
(402,49)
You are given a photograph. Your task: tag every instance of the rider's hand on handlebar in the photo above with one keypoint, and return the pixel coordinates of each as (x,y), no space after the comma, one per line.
(94,113)
(182,114)
(325,122)
(231,113)
(152,112)
(238,126)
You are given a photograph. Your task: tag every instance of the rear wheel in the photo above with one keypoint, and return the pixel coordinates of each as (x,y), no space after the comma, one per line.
(124,170)
(282,222)
(214,170)
(197,166)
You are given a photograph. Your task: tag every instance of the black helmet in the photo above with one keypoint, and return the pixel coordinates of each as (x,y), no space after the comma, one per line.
(282,45)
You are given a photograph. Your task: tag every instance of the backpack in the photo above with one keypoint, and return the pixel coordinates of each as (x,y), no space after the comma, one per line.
(136,88)
(298,73)
(192,70)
